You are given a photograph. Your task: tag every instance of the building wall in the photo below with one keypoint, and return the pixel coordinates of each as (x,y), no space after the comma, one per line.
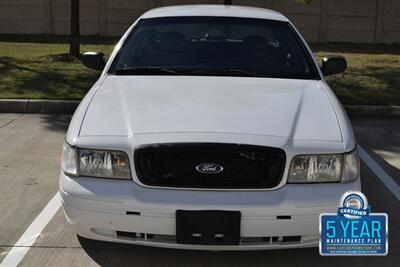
(357,21)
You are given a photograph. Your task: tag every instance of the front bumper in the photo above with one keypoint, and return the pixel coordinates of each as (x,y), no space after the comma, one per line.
(122,211)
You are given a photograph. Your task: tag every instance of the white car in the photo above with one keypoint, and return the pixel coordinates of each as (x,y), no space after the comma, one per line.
(211,127)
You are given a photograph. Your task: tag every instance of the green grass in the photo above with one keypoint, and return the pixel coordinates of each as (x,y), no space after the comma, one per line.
(43,71)
(38,68)
(372,76)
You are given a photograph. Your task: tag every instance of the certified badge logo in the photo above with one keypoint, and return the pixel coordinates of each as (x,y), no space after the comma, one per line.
(354,205)
(353,230)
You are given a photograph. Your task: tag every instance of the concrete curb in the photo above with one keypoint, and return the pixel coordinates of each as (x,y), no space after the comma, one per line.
(372,111)
(38,106)
(69,106)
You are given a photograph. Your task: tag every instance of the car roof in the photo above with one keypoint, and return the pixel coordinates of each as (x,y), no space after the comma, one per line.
(214,11)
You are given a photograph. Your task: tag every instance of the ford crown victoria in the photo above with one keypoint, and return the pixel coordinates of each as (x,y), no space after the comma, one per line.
(211,127)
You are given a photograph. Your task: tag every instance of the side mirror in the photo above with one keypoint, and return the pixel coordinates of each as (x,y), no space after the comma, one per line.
(333,65)
(94,60)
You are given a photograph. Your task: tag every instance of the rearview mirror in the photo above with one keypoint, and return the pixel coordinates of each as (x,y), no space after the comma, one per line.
(94,60)
(333,65)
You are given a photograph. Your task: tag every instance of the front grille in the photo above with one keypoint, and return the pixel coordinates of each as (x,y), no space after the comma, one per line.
(244,166)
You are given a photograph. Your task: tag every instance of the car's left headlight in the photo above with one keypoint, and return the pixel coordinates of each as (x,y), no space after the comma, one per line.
(329,168)
(103,164)
(351,166)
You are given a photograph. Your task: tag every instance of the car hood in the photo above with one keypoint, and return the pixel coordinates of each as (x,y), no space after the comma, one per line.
(129,105)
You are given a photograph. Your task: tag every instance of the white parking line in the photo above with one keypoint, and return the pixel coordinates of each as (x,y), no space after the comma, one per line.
(30,235)
(380,173)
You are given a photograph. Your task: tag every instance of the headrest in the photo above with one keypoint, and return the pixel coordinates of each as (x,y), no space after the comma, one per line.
(172,36)
(171,42)
(255,44)
(255,40)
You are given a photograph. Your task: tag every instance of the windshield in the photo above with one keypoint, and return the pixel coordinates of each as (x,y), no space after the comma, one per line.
(214,46)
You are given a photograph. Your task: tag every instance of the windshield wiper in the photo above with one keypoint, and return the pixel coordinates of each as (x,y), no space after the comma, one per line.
(145,71)
(167,71)
(229,72)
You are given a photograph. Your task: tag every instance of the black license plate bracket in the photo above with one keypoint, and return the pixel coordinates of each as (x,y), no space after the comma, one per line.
(208,227)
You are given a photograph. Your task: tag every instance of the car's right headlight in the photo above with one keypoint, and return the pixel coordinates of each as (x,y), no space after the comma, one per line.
(95,163)
(103,164)
(68,160)
(325,168)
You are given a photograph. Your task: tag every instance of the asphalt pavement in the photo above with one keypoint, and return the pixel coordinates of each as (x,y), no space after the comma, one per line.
(30,148)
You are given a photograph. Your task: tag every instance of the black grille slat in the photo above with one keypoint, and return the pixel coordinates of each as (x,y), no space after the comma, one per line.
(245,166)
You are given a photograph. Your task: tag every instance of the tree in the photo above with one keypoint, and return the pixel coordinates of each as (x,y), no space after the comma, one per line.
(74,44)
(227,2)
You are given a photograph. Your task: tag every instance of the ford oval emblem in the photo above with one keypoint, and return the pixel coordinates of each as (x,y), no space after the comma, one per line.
(209,168)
